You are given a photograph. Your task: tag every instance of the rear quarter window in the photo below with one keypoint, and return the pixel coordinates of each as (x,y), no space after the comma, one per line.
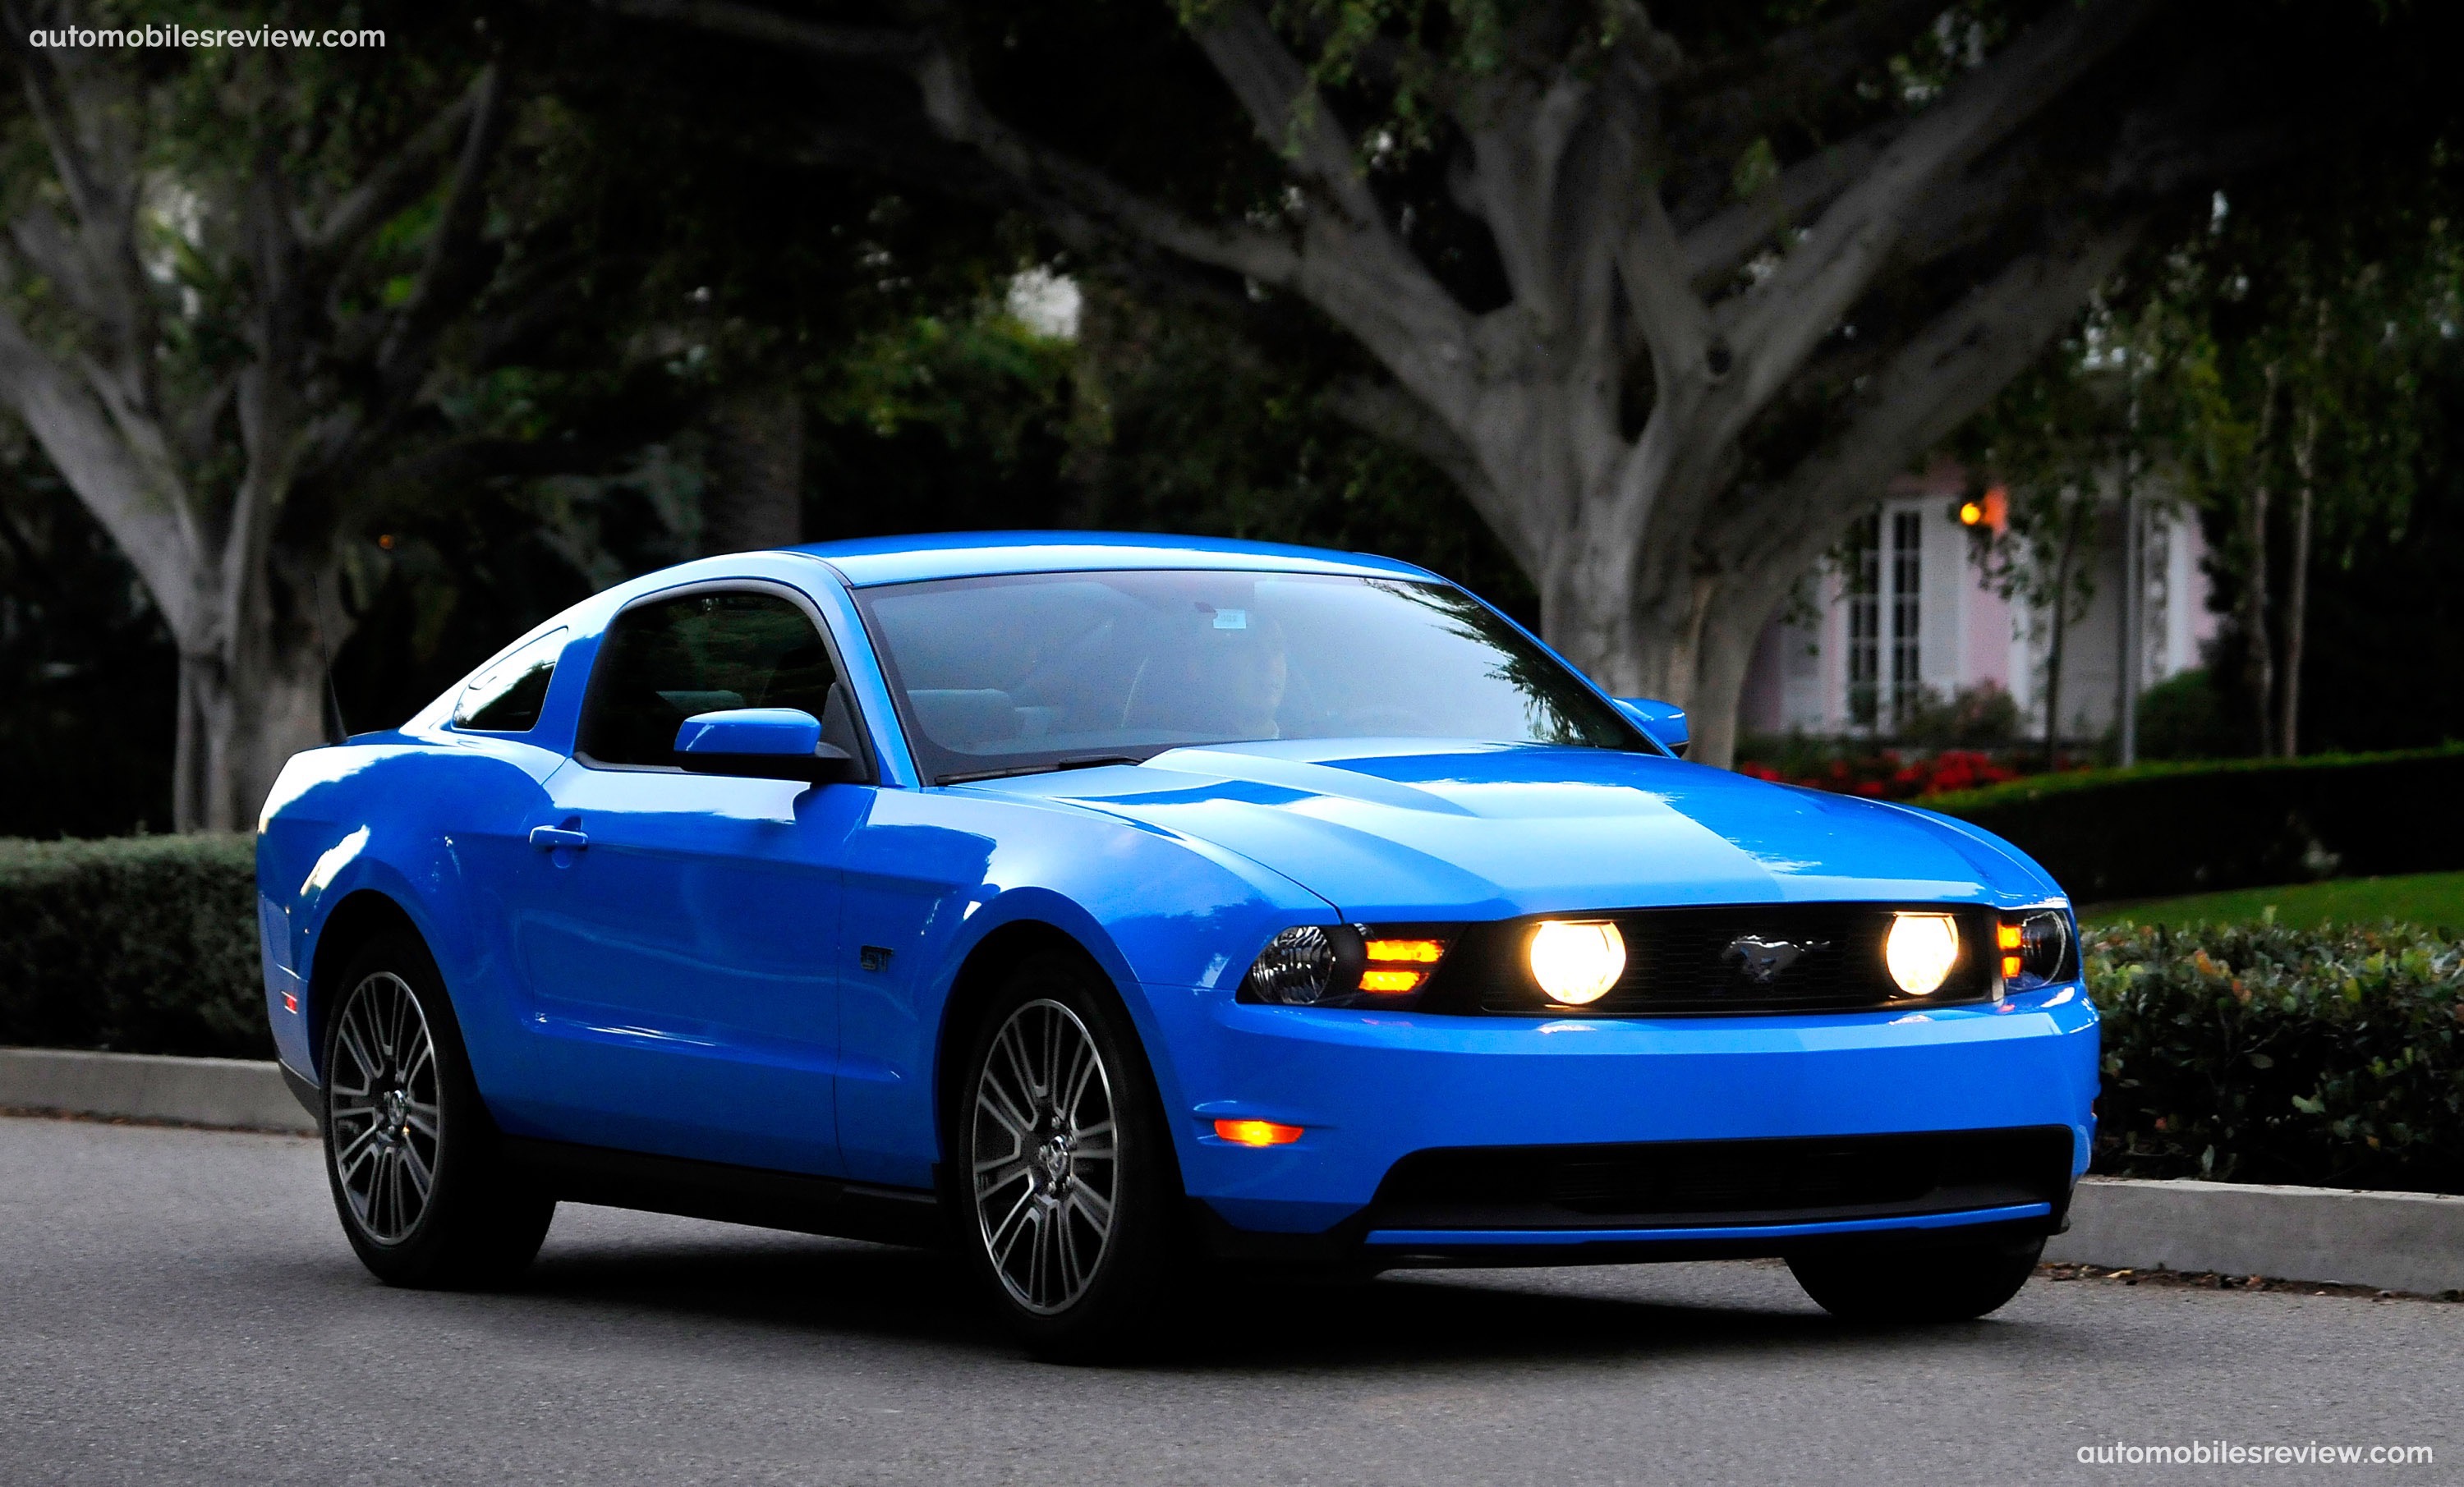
(506,696)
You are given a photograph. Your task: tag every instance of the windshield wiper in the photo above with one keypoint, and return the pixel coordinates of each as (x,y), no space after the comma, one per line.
(1067,761)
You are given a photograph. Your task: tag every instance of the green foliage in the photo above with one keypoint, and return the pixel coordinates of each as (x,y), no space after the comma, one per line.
(2261,1052)
(2182,717)
(86,668)
(1182,425)
(136,944)
(2156,830)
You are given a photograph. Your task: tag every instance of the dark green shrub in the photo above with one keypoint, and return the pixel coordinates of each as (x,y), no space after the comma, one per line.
(138,944)
(2159,830)
(2261,1052)
(2182,717)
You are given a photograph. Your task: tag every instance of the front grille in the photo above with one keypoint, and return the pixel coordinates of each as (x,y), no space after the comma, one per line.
(1671,1184)
(1687,962)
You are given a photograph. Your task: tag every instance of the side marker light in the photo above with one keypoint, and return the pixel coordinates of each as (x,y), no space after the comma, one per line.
(1256,1133)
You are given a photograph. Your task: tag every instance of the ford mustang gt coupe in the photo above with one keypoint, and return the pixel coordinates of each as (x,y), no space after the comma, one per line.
(1106,906)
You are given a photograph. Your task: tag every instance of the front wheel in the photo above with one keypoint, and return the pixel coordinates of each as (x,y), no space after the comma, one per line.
(1064,1172)
(411,1152)
(1955,1282)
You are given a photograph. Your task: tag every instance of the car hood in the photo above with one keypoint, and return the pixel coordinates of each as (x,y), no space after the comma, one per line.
(1396,830)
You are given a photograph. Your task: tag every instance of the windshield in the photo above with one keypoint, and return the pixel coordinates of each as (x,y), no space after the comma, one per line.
(1035,671)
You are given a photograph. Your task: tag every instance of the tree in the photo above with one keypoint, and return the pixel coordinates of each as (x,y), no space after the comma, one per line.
(230,278)
(2307,313)
(1668,304)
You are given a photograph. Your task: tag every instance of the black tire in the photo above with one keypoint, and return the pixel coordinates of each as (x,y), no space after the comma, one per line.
(1018,1196)
(1953,1282)
(412,1155)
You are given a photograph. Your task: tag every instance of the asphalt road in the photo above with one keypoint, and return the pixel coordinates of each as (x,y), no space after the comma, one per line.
(178,1307)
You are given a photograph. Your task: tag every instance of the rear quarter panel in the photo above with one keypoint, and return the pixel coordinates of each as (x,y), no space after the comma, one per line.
(408,818)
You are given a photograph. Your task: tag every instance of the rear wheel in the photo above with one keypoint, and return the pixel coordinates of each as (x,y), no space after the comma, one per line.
(411,1152)
(1067,1184)
(1949,1283)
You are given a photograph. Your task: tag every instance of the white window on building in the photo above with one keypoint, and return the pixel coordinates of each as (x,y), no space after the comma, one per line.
(1885,679)
(1907,576)
(1864,587)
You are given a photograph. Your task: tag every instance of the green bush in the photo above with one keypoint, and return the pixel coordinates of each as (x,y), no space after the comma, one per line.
(2161,830)
(138,944)
(2182,717)
(2262,1053)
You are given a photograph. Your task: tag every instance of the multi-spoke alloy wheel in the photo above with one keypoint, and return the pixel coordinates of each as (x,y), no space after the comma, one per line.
(388,1116)
(1045,1171)
(419,1172)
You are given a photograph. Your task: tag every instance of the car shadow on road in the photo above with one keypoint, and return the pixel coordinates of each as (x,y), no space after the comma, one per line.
(1228,1320)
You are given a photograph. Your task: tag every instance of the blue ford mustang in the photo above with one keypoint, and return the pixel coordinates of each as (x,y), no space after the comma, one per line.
(1100,904)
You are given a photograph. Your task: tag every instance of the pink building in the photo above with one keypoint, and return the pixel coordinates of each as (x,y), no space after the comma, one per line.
(1910,609)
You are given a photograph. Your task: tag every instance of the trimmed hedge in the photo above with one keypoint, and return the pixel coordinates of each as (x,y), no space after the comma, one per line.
(2159,830)
(136,944)
(2262,1053)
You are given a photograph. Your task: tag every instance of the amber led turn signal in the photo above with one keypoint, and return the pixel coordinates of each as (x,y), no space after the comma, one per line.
(1398,966)
(1388,982)
(2006,938)
(1256,1133)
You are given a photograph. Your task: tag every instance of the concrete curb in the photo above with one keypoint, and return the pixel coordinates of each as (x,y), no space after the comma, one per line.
(2394,1241)
(245,1094)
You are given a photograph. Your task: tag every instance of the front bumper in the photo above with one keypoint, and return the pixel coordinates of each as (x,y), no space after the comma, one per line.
(1371,1089)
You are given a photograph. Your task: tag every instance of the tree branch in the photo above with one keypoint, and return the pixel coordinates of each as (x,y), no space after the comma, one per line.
(1742,97)
(1781,319)
(399,180)
(1657,271)
(1389,413)
(1935,382)
(1290,115)
(149,522)
(455,267)
(86,117)
(1717,248)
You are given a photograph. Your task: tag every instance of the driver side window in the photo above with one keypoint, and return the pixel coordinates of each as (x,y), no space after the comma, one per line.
(672,659)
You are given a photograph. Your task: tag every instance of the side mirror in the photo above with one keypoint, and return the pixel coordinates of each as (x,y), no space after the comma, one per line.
(763,743)
(1664,722)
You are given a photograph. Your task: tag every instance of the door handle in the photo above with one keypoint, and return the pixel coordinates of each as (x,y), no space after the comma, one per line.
(551,839)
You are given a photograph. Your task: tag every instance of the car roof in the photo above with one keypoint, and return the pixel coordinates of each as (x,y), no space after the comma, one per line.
(866,562)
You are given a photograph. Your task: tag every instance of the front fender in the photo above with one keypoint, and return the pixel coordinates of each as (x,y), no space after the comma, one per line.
(934,874)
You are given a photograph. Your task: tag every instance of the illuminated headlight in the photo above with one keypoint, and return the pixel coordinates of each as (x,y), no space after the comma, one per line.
(1576,963)
(1921,951)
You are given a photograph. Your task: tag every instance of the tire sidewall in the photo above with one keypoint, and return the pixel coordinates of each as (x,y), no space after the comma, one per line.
(1143,1244)
(467,1137)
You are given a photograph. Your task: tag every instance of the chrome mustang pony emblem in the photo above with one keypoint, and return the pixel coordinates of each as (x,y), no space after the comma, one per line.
(1762,959)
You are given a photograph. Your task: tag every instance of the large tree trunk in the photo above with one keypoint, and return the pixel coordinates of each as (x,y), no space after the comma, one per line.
(241,717)
(757,499)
